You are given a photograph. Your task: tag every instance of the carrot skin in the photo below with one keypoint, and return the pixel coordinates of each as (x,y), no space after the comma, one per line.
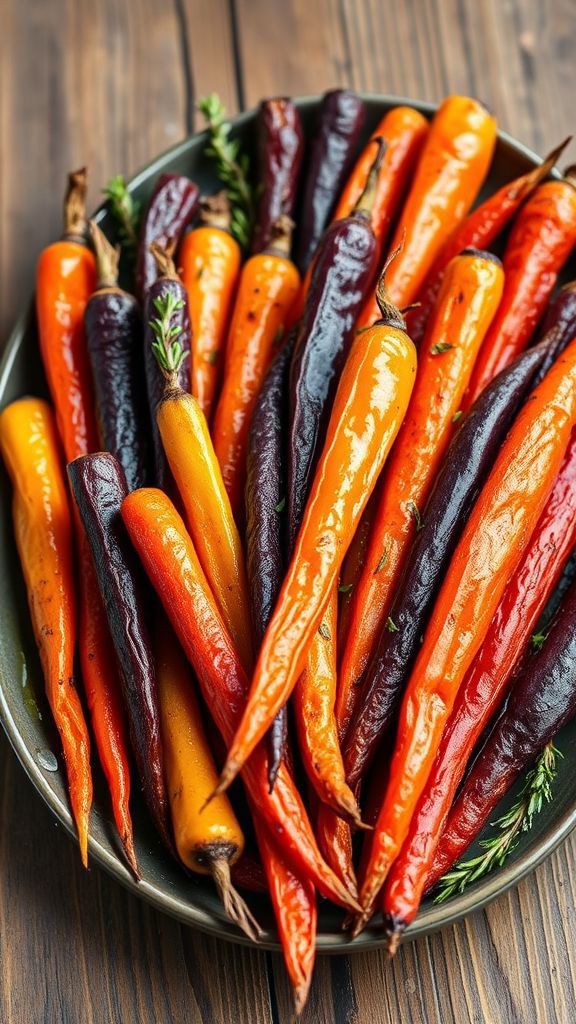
(542,701)
(343,271)
(339,123)
(44,539)
(494,539)
(113,326)
(265,516)
(99,487)
(484,687)
(541,240)
(370,404)
(453,164)
(167,553)
(466,306)
(172,206)
(464,469)
(280,151)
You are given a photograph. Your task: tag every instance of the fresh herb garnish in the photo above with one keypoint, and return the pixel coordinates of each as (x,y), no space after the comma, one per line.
(391,625)
(345,588)
(324,631)
(415,512)
(457,416)
(166,347)
(232,165)
(281,505)
(535,792)
(537,640)
(125,210)
(381,563)
(440,347)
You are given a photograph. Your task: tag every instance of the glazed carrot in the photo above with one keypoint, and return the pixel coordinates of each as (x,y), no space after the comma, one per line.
(334,837)
(268,286)
(43,531)
(352,567)
(482,691)
(370,403)
(208,837)
(313,704)
(492,544)
(188,448)
(294,902)
(404,130)
(66,278)
(209,263)
(454,161)
(168,555)
(466,305)
(479,230)
(541,240)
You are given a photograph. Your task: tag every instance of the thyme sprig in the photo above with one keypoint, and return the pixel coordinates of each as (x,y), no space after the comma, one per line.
(125,210)
(232,165)
(536,791)
(166,346)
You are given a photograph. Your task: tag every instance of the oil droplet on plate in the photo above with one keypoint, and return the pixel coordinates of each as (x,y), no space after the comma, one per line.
(46,759)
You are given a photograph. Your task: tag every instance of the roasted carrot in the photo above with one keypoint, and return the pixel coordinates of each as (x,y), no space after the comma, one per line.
(66,278)
(404,131)
(267,288)
(294,902)
(453,164)
(168,555)
(541,240)
(478,231)
(334,836)
(209,263)
(352,567)
(492,544)
(370,403)
(188,448)
(466,305)
(208,836)
(43,531)
(313,704)
(481,692)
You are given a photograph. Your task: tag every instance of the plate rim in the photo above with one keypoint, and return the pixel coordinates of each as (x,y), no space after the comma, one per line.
(435,916)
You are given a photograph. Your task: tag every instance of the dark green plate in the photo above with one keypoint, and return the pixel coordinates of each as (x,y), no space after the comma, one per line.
(23,708)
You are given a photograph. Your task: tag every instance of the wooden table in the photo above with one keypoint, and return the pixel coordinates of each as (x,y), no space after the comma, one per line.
(111,84)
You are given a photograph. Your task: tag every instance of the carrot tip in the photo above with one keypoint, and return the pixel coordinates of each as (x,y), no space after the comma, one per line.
(394,938)
(227,776)
(300,996)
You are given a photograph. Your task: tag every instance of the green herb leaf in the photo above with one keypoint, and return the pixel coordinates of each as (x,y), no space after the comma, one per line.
(125,210)
(536,791)
(381,563)
(537,640)
(324,631)
(345,588)
(166,345)
(281,505)
(391,626)
(457,416)
(415,512)
(440,347)
(232,167)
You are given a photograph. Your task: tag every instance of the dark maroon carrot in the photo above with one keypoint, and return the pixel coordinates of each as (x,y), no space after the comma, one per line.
(266,516)
(167,298)
(558,326)
(344,268)
(542,701)
(465,467)
(336,134)
(99,487)
(172,206)
(113,327)
(280,149)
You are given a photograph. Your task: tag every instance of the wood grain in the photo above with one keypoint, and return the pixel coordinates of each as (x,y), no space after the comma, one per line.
(110,85)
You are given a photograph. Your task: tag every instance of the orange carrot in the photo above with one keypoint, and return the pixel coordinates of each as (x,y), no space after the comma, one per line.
(43,530)
(209,263)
